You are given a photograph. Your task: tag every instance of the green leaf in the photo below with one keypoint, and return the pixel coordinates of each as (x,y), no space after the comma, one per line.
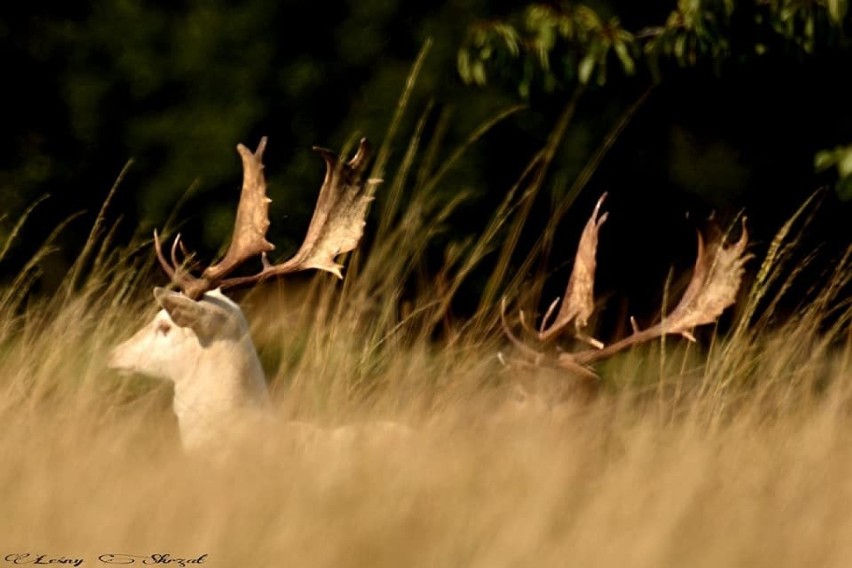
(623,54)
(680,47)
(543,55)
(477,72)
(841,156)
(587,65)
(463,64)
(844,162)
(824,160)
(509,36)
(844,189)
(837,11)
(602,70)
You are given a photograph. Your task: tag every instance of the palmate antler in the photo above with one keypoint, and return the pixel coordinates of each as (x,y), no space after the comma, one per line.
(335,228)
(715,281)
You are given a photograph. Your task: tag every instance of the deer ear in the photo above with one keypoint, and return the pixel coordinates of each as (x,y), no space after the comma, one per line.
(205,319)
(184,311)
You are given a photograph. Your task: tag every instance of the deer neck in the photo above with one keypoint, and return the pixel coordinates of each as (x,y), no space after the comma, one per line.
(221,394)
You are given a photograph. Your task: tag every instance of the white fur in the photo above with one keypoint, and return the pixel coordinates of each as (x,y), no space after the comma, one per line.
(220,393)
(220,389)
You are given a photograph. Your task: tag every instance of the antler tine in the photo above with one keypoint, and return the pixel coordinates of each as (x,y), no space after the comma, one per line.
(512,337)
(175,245)
(545,321)
(164,264)
(190,285)
(359,160)
(337,223)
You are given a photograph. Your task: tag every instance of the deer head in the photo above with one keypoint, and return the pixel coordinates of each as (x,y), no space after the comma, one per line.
(174,344)
(200,339)
(716,278)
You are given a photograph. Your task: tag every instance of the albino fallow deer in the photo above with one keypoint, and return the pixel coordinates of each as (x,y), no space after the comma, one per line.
(716,278)
(200,339)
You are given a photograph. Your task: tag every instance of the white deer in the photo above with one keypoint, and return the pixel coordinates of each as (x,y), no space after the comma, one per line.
(200,339)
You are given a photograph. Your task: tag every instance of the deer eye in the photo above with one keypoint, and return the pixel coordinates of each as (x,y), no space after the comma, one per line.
(163,328)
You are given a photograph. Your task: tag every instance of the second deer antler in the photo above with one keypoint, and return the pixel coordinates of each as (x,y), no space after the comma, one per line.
(716,278)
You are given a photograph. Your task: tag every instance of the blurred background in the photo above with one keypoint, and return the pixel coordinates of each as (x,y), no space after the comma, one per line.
(677,109)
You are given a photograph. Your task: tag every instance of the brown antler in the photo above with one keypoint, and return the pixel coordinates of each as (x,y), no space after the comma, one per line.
(579,304)
(713,288)
(336,227)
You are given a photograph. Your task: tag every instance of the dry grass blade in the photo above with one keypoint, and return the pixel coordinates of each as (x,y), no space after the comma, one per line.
(19,225)
(97,229)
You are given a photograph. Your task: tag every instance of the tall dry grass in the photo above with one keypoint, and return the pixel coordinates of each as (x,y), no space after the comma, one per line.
(739,456)
(730,453)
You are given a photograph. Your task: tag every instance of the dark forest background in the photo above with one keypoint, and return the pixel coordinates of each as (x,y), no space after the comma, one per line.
(750,111)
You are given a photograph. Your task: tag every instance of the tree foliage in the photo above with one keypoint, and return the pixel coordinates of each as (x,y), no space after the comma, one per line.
(553,47)
(565,43)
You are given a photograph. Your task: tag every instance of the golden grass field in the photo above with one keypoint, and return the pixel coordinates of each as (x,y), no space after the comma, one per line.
(732,452)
